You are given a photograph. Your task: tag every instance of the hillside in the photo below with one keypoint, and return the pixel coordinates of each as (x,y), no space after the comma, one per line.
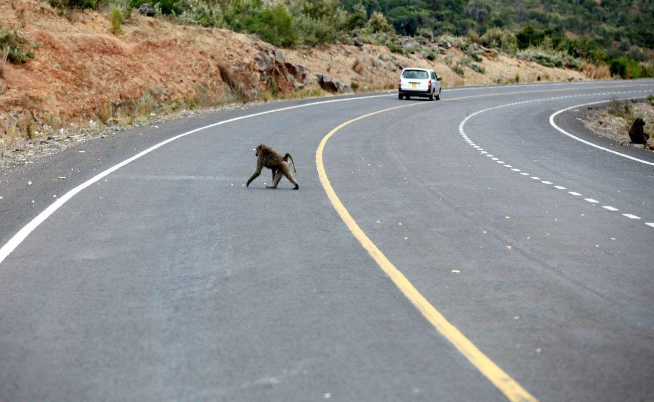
(82,75)
(622,27)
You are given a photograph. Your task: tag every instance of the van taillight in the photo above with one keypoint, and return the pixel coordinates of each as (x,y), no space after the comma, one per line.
(399,84)
(429,84)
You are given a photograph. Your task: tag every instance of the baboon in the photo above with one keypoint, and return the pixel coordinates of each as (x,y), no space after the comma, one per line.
(637,134)
(267,157)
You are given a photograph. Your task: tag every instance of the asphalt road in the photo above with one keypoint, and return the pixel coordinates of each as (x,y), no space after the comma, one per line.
(168,280)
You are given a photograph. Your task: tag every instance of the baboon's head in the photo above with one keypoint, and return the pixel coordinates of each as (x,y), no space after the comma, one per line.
(258,149)
(639,122)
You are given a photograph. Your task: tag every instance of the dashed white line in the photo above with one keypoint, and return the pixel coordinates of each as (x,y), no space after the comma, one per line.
(590,200)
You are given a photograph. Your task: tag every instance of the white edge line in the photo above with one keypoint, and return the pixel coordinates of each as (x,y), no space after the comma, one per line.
(22,234)
(588,142)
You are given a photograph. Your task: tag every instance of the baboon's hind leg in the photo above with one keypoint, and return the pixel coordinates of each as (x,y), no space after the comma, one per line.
(277,178)
(289,176)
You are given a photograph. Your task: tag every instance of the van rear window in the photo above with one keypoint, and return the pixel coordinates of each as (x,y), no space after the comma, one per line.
(415,74)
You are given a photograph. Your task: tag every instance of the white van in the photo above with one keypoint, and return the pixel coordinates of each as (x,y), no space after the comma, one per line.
(419,82)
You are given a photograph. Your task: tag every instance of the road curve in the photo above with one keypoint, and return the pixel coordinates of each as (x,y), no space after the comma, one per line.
(167,279)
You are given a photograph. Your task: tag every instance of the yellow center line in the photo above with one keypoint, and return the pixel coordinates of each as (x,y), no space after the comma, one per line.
(500,379)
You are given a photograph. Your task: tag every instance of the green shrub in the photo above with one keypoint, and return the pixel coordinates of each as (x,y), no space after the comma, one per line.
(459,69)
(273,24)
(529,37)
(116,21)
(395,48)
(378,23)
(358,18)
(473,66)
(647,70)
(500,39)
(431,56)
(167,7)
(549,58)
(76,4)
(16,45)
(354,85)
(625,68)
(200,12)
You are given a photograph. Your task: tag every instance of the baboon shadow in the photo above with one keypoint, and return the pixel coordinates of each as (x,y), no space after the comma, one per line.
(270,189)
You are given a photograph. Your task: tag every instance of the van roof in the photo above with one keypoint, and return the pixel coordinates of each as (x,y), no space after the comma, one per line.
(417,68)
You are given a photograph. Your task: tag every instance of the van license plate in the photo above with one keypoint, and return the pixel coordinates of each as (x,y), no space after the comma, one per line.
(414,85)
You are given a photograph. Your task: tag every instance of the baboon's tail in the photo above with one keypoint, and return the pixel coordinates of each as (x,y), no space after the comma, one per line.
(292,161)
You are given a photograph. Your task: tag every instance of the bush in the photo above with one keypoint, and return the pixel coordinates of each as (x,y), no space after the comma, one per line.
(314,32)
(14,45)
(529,37)
(272,24)
(275,25)
(500,39)
(458,69)
(77,4)
(378,23)
(626,68)
(116,21)
(549,58)
(395,48)
(200,12)
(167,7)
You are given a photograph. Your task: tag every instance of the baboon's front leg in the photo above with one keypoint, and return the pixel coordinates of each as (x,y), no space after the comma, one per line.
(254,176)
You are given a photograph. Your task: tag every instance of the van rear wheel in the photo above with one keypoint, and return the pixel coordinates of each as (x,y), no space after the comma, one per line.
(400,96)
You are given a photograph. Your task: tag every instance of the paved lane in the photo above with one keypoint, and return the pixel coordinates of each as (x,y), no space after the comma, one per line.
(171,281)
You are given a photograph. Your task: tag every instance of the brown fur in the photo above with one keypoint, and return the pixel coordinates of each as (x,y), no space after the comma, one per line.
(280,165)
(637,134)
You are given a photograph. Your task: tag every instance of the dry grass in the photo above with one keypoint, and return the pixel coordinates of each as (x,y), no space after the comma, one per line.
(105,112)
(601,72)
(3,61)
(26,125)
(358,66)
(19,128)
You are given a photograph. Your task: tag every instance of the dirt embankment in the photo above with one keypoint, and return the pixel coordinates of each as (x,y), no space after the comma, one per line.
(82,72)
